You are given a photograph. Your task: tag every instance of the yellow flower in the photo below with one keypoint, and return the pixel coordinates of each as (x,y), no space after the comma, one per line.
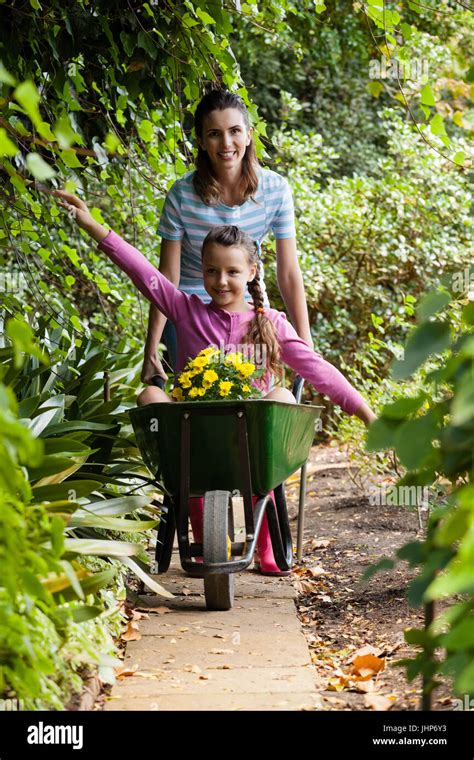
(246,388)
(177,393)
(194,372)
(224,387)
(208,351)
(201,391)
(210,377)
(246,369)
(194,392)
(184,379)
(234,359)
(199,362)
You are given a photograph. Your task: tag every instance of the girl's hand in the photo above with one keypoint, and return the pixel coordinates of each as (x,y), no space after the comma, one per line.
(366,414)
(152,366)
(78,211)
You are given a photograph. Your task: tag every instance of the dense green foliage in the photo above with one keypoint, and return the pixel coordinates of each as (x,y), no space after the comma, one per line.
(98,97)
(432,433)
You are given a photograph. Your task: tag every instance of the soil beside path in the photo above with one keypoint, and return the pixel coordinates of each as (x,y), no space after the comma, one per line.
(342,616)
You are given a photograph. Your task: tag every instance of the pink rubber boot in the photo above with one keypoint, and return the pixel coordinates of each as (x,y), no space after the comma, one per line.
(196,515)
(264,559)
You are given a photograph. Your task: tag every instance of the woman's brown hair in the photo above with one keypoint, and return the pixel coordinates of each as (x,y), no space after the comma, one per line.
(205,182)
(261,329)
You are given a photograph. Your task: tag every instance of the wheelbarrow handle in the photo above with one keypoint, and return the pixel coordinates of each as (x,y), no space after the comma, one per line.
(158,381)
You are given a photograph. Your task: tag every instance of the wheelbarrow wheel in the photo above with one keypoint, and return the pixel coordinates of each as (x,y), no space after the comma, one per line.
(218,588)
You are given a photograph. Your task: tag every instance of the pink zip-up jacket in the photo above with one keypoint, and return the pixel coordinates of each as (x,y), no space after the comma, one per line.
(199,325)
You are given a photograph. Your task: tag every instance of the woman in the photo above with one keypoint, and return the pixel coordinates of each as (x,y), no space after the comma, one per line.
(227,187)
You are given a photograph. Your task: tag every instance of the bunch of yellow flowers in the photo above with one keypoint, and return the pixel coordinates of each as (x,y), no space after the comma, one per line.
(210,378)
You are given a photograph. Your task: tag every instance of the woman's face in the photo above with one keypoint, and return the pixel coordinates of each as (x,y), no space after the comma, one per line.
(225,138)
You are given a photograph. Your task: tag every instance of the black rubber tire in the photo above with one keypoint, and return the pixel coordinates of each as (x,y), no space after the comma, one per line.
(165,537)
(218,588)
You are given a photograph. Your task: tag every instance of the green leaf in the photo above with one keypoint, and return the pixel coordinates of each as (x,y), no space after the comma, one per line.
(6,77)
(427,97)
(147,580)
(28,97)
(413,442)
(403,407)
(7,146)
(70,159)
(82,519)
(75,489)
(427,339)
(101,548)
(38,167)
(375,88)
(204,16)
(432,303)
(437,125)
(459,158)
(381,434)
(145,130)
(79,614)
(123,505)
(88,586)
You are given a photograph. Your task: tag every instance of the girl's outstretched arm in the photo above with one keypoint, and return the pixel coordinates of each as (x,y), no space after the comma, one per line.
(325,377)
(78,211)
(149,280)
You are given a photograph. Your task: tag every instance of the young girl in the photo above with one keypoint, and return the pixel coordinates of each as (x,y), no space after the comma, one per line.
(230,270)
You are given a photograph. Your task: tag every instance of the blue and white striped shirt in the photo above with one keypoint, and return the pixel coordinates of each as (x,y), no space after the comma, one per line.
(186,217)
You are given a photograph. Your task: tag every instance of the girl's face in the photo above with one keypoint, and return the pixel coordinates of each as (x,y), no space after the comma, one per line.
(226,272)
(225,138)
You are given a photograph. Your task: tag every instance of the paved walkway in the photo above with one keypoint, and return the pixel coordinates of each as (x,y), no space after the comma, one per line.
(251,657)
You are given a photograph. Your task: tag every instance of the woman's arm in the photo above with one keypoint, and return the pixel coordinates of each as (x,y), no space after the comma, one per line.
(170,264)
(290,282)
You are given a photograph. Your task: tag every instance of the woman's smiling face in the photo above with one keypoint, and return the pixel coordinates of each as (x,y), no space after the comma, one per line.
(225,138)
(226,272)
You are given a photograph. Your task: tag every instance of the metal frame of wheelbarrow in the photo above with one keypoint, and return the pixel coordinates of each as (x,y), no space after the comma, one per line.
(277,513)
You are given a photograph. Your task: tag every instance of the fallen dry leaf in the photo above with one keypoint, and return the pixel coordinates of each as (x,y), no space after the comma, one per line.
(221,651)
(316,570)
(126,671)
(131,632)
(377,702)
(367,666)
(368,649)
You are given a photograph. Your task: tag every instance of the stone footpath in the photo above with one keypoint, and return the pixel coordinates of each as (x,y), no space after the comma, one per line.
(253,657)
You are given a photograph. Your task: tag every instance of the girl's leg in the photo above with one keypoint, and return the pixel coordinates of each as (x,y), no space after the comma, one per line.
(281,394)
(196,515)
(153,395)
(264,557)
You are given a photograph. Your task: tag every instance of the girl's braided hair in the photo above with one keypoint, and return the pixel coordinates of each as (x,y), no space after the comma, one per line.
(261,329)
(205,183)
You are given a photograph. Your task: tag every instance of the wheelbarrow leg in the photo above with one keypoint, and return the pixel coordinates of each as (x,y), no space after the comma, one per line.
(165,536)
(299,544)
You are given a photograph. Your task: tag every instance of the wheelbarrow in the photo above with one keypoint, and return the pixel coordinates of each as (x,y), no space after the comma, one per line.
(218,449)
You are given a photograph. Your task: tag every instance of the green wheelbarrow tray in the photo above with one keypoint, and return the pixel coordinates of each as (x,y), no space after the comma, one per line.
(280,436)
